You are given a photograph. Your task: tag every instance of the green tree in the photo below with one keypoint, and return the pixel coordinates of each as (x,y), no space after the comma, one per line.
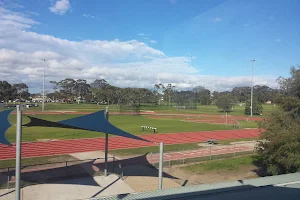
(225,102)
(203,95)
(257,107)
(21,90)
(6,91)
(167,90)
(280,151)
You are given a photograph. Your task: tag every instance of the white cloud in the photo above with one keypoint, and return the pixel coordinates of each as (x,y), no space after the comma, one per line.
(153,41)
(141,34)
(60,7)
(217,19)
(122,63)
(33,13)
(278,40)
(90,16)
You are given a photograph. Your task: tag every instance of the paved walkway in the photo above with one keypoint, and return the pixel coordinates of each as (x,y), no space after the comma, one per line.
(82,188)
(60,147)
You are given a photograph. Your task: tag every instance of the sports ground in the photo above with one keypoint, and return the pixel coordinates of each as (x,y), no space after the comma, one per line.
(174,127)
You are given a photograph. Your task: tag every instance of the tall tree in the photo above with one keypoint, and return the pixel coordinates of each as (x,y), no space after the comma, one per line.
(168,91)
(203,95)
(66,88)
(6,91)
(225,102)
(291,86)
(257,107)
(102,90)
(241,94)
(22,90)
(81,88)
(280,153)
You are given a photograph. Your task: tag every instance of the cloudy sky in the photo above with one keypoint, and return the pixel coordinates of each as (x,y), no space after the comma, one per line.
(137,43)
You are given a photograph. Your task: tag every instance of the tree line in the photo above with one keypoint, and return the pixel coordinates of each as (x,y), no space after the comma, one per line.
(12,92)
(70,90)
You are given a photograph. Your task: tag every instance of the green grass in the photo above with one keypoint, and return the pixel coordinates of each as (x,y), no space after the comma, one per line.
(249,124)
(155,149)
(201,109)
(128,123)
(220,165)
(36,161)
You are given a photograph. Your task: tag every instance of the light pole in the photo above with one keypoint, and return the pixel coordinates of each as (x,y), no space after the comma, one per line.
(43,102)
(251,106)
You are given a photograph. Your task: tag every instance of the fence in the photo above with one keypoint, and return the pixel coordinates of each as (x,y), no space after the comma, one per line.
(50,172)
(207,152)
(54,171)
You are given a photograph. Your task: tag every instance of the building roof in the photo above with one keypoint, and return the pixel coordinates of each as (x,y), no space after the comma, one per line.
(273,187)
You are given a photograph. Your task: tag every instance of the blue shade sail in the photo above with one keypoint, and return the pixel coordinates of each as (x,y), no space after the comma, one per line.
(4,125)
(92,122)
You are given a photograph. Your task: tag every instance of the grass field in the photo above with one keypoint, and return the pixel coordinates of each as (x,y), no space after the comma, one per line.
(201,109)
(128,123)
(221,165)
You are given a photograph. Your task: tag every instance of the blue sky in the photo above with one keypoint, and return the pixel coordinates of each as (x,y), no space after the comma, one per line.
(185,42)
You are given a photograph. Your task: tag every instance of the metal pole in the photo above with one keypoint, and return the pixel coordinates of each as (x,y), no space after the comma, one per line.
(251,108)
(106,144)
(8,177)
(234,150)
(43,102)
(18,150)
(161,160)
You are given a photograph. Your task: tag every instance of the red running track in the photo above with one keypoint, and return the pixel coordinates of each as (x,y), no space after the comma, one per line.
(60,147)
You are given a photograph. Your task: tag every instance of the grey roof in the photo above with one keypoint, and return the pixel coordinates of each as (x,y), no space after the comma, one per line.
(273,187)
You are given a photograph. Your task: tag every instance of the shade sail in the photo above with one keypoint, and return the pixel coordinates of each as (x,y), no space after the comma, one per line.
(91,122)
(4,125)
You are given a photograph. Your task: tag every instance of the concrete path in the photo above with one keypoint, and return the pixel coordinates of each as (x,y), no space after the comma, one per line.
(72,189)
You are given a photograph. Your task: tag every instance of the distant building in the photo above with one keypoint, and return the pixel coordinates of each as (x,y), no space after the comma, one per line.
(38,98)
(269,102)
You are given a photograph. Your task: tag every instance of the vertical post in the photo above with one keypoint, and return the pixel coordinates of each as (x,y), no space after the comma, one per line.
(114,160)
(161,160)
(43,102)
(251,106)
(210,152)
(18,151)
(234,150)
(8,177)
(106,144)
(226,119)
